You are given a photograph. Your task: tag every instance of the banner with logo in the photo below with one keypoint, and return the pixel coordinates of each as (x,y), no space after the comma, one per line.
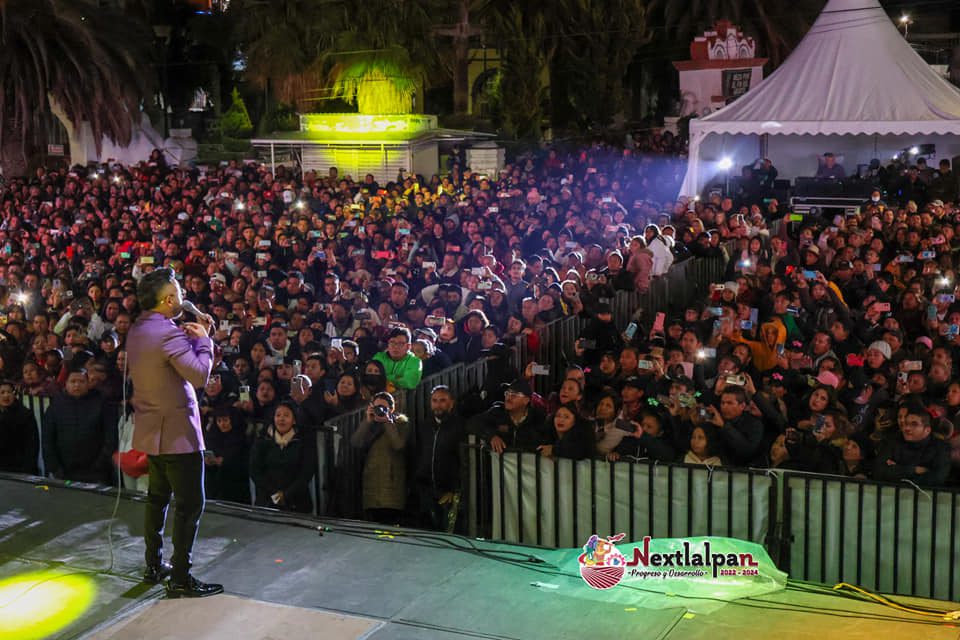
(655,572)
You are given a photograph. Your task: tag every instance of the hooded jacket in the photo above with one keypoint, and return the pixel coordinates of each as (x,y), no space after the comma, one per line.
(764,354)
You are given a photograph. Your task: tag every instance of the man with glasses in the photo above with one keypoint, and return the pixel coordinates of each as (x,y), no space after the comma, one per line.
(915,454)
(513,423)
(167,364)
(403,368)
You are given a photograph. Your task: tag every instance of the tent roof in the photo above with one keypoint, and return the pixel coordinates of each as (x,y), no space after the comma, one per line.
(853,73)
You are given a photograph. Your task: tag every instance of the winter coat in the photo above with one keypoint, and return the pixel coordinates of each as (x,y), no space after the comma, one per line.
(661,248)
(931,453)
(385,469)
(438,453)
(576,444)
(640,265)
(288,470)
(19,440)
(230,480)
(79,437)
(526,436)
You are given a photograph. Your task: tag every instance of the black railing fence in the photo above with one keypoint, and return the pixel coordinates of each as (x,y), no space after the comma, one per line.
(893,538)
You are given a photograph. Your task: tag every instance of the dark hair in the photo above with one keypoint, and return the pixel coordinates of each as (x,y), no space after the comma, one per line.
(397,332)
(291,405)
(736,391)
(152,284)
(384,395)
(713,438)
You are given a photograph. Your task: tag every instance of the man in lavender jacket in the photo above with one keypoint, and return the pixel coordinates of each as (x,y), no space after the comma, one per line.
(167,363)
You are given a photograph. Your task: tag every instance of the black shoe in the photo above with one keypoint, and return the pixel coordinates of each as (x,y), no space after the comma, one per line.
(155,574)
(192,588)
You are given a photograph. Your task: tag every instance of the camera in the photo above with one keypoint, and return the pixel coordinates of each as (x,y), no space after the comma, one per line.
(380,411)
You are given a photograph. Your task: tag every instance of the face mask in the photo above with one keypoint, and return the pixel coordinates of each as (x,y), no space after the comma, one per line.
(374,380)
(875,198)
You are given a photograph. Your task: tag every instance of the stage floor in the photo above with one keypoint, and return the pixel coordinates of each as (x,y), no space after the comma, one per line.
(354,581)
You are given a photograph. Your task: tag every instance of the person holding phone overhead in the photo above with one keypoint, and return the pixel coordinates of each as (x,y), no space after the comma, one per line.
(167,364)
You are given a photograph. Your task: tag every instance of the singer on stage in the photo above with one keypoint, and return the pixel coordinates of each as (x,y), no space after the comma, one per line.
(167,363)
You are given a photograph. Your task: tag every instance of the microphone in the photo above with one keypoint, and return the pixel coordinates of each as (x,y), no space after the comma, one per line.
(189,307)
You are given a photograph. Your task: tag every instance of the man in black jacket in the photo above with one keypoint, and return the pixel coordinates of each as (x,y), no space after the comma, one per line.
(740,432)
(513,424)
(599,336)
(438,461)
(915,455)
(79,433)
(19,441)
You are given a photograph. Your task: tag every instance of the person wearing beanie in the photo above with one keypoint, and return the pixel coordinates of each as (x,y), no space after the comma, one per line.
(875,350)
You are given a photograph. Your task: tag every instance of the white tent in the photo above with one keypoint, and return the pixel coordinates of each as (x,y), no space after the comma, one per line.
(852,86)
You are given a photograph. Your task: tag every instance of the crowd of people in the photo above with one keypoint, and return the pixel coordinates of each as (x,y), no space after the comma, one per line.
(830,345)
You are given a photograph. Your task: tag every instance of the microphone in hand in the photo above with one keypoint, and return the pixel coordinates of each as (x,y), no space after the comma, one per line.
(204,319)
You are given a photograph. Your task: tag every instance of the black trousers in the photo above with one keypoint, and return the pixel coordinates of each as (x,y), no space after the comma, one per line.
(180,475)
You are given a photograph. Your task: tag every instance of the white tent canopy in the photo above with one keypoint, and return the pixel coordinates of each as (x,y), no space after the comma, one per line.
(853,77)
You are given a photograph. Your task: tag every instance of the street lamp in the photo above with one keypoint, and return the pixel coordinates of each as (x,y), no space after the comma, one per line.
(906,22)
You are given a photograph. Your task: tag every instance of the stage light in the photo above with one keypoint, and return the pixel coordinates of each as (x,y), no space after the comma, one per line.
(914,150)
(43,603)
(726,163)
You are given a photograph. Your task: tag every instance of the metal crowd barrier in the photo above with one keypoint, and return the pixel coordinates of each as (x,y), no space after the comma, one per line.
(561,502)
(892,538)
(341,465)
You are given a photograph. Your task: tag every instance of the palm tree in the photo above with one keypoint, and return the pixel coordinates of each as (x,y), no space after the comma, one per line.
(87,60)
(374,53)
(382,53)
(281,42)
(777,24)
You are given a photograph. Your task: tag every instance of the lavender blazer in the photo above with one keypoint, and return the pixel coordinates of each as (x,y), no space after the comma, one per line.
(165,366)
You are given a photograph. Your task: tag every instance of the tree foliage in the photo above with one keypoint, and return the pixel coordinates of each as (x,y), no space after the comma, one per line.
(529,43)
(778,25)
(235,121)
(595,57)
(373,53)
(88,59)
